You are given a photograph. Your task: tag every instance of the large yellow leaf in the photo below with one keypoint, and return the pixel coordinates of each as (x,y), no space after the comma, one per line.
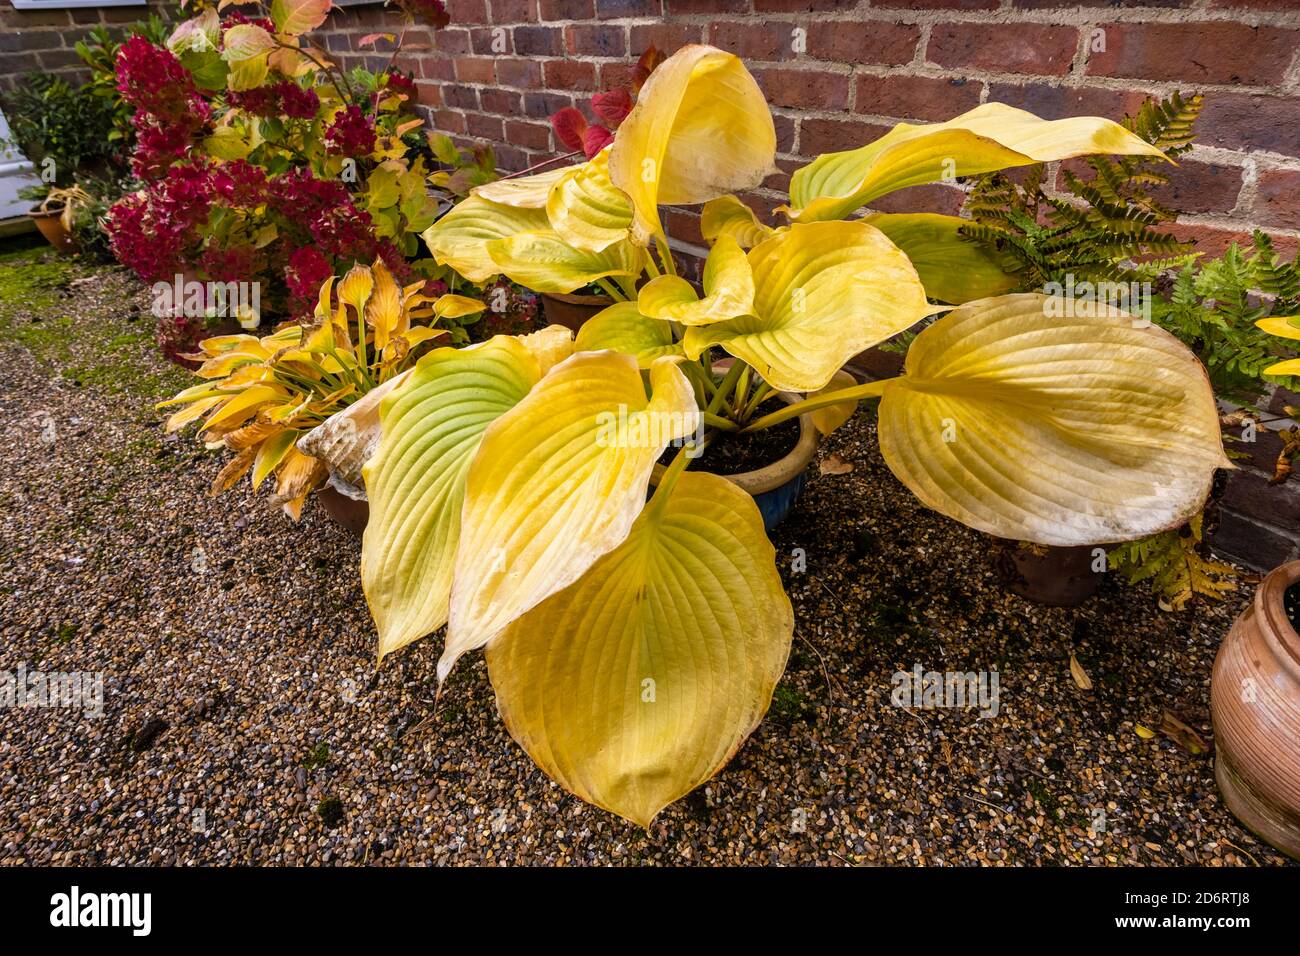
(989,137)
(586,209)
(640,681)
(1059,430)
(544,262)
(952,269)
(622,328)
(557,483)
(460,238)
(523,192)
(415,481)
(700,129)
(727,215)
(822,293)
(728,289)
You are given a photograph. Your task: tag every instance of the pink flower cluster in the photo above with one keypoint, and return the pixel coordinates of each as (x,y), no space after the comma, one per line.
(285,98)
(169,112)
(351,133)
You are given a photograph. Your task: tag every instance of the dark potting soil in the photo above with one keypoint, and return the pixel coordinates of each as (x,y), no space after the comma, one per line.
(731,454)
(1291,601)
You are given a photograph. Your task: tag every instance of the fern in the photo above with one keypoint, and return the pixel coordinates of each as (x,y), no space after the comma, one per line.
(1172,563)
(1102,224)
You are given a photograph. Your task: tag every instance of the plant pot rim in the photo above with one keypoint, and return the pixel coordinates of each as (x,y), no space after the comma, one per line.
(780,472)
(37,213)
(1270,605)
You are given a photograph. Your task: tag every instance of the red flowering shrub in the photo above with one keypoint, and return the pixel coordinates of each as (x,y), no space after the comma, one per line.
(258,170)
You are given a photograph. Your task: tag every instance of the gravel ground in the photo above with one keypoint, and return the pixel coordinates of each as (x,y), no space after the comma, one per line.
(244,721)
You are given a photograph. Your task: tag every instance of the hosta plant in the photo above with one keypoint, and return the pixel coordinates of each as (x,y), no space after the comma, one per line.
(259,396)
(633,643)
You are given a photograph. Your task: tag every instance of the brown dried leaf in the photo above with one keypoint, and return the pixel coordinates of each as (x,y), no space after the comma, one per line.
(1183,735)
(834,465)
(1081,678)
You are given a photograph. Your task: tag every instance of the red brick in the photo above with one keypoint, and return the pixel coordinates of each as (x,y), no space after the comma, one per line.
(570,75)
(490,41)
(437,69)
(785,126)
(804,89)
(428,94)
(542,105)
(1210,240)
(618,74)
(451,41)
(706,6)
(832,135)
(1005,48)
(754,41)
(684,226)
(931,197)
(539,41)
(509,158)
(1241,121)
(1058,102)
(858,41)
(587,39)
(1217,52)
(467,11)
(475,70)
(449,121)
(946,4)
(514,11)
(528,135)
(485,127)
(667,37)
(521,74)
(504,102)
(461,97)
(1277,199)
(802,6)
(566,9)
(916,97)
(614,9)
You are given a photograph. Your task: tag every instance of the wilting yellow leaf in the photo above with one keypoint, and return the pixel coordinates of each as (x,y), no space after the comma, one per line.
(700,129)
(242,406)
(834,465)
(455,306)
(728,216)
(416,480)
(831,417)
(622,328)
(1077,430)
(728,289)
(557,482)
(460,238)
(522,192)
(586,209)
(384,311)
(271,452)
(822,293)
(1289,367)
(989,137)
(951,268)
(345,441)
(550,346)
(639,682)
(545,263)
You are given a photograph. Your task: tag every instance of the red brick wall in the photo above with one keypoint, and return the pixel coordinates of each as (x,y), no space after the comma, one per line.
(45,39)
(871,63)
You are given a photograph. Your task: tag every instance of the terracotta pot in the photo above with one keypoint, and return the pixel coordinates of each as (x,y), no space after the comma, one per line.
(572,311)
(351,513)
(1060,577)
(50,223)
(1255,704)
